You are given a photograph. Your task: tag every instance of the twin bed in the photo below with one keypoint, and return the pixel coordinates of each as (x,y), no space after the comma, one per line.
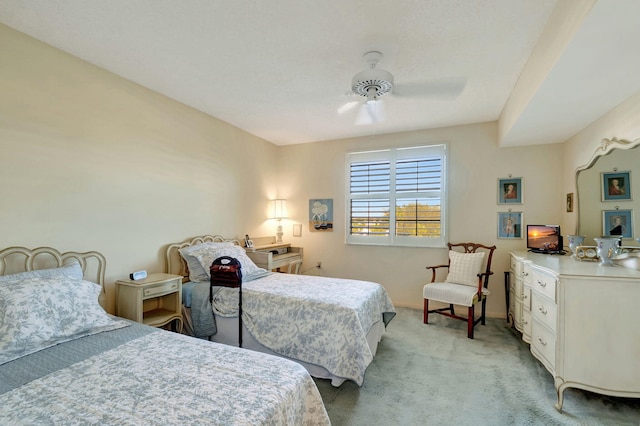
(63,360)
(330,326)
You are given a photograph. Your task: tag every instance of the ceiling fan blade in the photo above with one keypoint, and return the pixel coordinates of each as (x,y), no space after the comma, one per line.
(347,107)
(443,89)
(370,112)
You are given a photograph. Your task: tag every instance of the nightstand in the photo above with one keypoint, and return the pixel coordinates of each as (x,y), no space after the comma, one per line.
(155,300)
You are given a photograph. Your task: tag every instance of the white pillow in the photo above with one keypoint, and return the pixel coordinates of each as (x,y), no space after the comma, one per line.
(206,257)
(196,272)
(464,268)
(72,269)
(38,312)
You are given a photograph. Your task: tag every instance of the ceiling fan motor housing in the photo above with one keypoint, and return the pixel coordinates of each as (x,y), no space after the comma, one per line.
(373,81)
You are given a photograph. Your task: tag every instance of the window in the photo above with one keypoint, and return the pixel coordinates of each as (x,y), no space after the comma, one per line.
(397,197)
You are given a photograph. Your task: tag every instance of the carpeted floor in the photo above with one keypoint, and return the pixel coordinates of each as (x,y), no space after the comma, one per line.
(433,375)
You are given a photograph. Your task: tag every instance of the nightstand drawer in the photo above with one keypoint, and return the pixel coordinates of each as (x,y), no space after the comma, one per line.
(160,289)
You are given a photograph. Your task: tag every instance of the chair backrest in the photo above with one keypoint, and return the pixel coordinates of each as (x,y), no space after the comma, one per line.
(477,248)
(294,267)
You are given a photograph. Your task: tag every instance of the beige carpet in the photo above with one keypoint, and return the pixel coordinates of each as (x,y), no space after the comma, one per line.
(433,375)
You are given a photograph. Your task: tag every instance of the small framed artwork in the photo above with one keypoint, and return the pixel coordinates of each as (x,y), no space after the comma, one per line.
(297,230)
(570,202)
(510,225)
(321,215)
(616,186)
(510,191)
(617,222)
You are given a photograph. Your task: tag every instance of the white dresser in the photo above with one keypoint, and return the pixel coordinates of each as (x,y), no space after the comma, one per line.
(581,319)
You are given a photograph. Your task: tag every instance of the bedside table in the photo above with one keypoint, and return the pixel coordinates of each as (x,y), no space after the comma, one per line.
(155,300)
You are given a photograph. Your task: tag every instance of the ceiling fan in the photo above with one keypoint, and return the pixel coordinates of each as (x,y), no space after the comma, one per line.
(373,83)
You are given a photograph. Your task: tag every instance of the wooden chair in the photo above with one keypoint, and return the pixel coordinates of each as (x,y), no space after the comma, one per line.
(294,267)
(465,285)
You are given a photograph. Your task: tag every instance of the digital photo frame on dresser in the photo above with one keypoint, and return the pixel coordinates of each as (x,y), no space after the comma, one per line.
(545,239)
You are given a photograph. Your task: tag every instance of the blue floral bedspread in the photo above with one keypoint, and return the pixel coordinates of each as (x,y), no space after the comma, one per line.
(318,320)
(165,378)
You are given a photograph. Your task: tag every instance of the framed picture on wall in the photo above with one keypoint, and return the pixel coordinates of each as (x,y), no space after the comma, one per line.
(510,225)
(510,191)
(321,215)
(617,222)
(616,186)
(570,202)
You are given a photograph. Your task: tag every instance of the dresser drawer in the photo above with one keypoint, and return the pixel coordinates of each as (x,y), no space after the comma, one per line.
(527,273)
(516,266)
(526,298)
(544,310)
(544,283)
(526,326)
(518,286)
(543,346)
(160,289)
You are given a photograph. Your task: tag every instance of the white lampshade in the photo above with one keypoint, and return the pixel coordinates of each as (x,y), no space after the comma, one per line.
(278,209)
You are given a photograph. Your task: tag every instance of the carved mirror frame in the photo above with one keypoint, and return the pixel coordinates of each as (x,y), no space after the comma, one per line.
(606,147)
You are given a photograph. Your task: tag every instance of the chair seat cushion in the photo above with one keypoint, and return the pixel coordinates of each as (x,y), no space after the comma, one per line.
(457,294)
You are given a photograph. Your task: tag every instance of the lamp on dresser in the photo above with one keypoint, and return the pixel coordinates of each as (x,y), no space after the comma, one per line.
(278,211)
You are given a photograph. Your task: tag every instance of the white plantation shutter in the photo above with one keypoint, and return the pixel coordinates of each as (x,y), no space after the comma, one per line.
(397,197)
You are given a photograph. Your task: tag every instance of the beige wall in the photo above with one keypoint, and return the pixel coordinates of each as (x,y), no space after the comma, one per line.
(318,171)
(90,161)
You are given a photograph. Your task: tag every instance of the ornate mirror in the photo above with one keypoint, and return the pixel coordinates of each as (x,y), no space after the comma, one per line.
(608,187)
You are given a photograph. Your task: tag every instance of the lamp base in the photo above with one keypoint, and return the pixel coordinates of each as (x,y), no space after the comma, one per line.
(279,234)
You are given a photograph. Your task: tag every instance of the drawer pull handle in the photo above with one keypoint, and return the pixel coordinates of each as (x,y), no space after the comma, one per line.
(542,283)
(542,310)
(542,342)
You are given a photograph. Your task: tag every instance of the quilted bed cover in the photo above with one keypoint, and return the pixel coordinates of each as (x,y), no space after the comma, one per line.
(319,320)
(142,375)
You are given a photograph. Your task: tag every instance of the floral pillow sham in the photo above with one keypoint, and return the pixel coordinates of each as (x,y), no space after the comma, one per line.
(196,272)
(250,270)
(71,269)
(38,312)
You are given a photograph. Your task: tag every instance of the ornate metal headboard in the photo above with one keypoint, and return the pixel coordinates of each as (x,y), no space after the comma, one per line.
(175,264)
(20,259)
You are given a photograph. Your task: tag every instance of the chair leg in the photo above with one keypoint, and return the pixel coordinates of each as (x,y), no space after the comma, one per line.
(426,311)
(484,304)
(470,321)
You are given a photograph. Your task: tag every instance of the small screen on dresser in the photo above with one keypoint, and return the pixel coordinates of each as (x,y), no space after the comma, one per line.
(544,239)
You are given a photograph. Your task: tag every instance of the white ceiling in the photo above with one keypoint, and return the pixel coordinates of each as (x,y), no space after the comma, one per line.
(280,69)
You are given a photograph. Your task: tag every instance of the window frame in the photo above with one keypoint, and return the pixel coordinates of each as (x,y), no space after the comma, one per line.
(392,155)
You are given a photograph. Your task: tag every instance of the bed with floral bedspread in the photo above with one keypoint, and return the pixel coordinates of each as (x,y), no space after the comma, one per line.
(64,360)
(332,326)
